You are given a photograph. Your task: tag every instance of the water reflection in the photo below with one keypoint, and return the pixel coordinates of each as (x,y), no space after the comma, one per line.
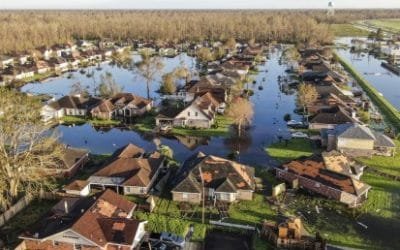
(270,105)
(370,68)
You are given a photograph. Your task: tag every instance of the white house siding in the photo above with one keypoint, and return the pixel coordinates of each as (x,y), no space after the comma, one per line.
(140,232)
(84,192)
(194,117)
(226,197)
(359,144)
(135,190)
(75,112)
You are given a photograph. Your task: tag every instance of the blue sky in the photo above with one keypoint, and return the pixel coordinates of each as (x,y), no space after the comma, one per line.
(192,4)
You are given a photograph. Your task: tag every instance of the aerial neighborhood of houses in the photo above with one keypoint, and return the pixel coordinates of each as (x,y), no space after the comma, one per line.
(113,204)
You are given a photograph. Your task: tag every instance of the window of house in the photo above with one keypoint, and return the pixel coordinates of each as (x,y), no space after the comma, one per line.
(188,113)
(77,247)
(128,189)
(196,114)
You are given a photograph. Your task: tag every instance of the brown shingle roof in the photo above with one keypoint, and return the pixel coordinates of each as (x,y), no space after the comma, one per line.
(314,168)
(76,185)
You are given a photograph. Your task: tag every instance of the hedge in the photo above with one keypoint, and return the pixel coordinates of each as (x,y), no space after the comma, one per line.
(391,114)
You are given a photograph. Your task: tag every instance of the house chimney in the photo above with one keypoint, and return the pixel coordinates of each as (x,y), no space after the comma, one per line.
(66,206)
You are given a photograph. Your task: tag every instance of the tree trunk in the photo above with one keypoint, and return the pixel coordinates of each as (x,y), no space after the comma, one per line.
(148,89)
(14,188)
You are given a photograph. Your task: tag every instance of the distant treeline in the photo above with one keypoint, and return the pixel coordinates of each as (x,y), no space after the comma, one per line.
(26,30)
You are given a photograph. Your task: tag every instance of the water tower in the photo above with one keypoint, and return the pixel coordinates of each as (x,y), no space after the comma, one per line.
(331,8)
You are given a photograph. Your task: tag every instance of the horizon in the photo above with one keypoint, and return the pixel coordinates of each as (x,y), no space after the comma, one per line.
(200,5)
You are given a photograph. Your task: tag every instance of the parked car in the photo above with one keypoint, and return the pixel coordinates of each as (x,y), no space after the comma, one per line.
(172,239)
(299,135)
(165,128)
(293,123)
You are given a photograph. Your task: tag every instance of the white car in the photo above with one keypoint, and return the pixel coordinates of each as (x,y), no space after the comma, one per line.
(165,128)
(293,122)
(299,135)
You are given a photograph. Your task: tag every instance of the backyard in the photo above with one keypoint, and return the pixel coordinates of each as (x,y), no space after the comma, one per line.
(289,150)
(389,165)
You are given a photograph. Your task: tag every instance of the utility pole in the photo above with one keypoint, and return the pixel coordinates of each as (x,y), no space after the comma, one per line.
(202,194)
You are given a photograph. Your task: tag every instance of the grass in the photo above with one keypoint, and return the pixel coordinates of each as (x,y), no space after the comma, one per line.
(295,148)
(222,128)
(251,212)
(389,165)
(338,224)
(69,120)
(345,30)
(14,227)
(145,124)
(391,114)
(390,24)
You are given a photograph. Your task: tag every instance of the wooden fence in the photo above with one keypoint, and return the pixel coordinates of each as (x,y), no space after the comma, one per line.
(22,203)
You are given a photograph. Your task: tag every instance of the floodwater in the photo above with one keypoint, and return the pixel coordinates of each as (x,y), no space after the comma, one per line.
(270,105)
(370,68)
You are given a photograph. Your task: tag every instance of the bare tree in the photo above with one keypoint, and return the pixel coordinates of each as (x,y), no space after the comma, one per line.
(241,111)
(25,148)
(148,68)
(307,95)
(78,89)
(108,87)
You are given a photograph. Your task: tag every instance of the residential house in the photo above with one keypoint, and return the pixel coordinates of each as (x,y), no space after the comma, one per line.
(68,105)
(392,51)
(6,61)
(23,59)
(289,233)
(330,118)
(220,179)
(42,67)
(340,163)
(198,114)
(211,85)
(311,174)
(13,73)
(356,139)
(78,188)
(122,105)
(71,161)
(102,221)
(46,53)
(59,64)
(130,171)
(235,67)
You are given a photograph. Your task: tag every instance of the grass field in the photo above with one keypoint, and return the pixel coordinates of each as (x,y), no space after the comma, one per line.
(294,149)
(390,24)
(389,165)
(222,128)
(342,30)
(77,120)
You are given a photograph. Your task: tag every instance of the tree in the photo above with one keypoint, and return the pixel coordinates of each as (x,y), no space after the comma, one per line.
(306,96)
(168,84)
(241,111)
(148,68)
(183,72)
(230,44)
(78,89)
(26,149)
(108,87)
(204,55)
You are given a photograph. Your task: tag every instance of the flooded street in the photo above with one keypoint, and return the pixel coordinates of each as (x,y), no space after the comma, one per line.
(370,68)
(270,105)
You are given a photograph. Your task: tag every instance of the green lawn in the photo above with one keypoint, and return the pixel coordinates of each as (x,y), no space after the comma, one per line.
(222,128)
(77,120)
(347,30)
(294,149)
(390,24)
(338,224)
(251,212)
(389,165)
